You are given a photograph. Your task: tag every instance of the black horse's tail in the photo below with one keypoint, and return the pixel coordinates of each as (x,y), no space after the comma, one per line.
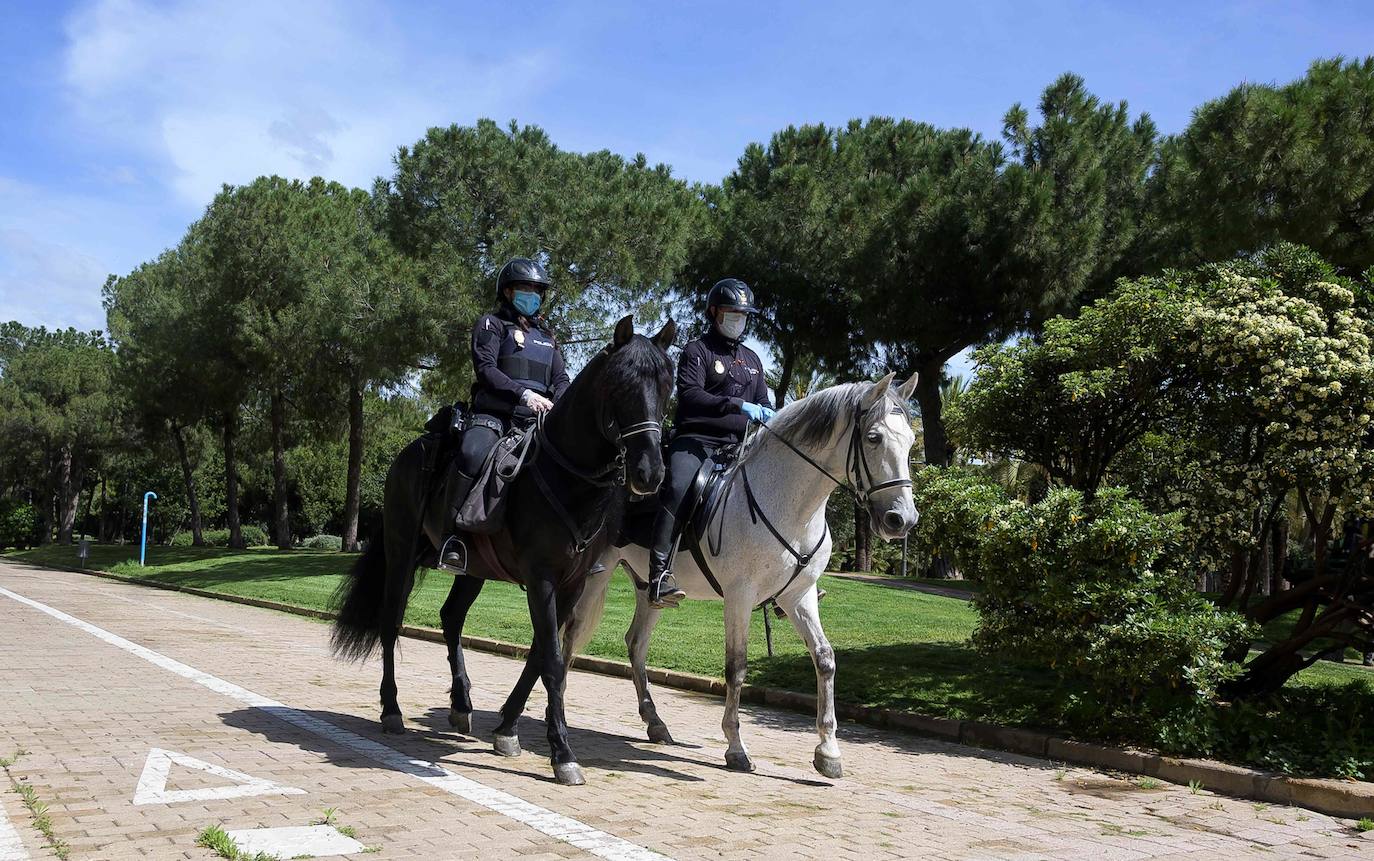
(359,602)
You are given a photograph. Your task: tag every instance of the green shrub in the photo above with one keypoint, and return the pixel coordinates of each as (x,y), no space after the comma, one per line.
(1087,588)
(19,525)
(323,542)
(253,536)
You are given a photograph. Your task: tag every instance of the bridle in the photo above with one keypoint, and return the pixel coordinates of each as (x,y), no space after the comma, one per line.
(613,475)
(856,469)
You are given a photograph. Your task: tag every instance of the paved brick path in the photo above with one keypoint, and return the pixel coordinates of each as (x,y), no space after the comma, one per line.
(256,692)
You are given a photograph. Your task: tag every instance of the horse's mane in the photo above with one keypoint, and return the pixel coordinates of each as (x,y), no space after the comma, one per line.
(611,371)
(812,420)
(633,362)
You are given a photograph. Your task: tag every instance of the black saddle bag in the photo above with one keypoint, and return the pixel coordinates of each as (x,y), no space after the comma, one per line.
(484,508)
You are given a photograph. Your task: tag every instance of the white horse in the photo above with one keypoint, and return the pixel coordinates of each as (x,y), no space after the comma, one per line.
(771,541)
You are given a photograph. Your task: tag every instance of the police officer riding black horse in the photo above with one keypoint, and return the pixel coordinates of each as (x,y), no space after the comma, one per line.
(518,373)
(720,386)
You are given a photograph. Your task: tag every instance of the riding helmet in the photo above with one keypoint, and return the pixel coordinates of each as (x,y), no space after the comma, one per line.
(522,270)
(733,295)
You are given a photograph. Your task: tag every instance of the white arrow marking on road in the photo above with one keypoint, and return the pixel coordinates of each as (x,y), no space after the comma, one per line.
(152,784)
(541,819)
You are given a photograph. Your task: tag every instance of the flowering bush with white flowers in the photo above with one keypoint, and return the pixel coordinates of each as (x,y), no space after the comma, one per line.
(1228,395)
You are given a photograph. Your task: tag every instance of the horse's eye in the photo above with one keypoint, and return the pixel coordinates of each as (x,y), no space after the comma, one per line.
(874,436)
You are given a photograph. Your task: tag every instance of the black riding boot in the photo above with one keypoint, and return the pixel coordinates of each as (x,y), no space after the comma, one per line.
(663,590)
(453,556)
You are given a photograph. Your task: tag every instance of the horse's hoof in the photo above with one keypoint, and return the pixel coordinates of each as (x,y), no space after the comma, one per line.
(828,765)
(739,762)
(658,734)
(569,773)
(506,745)
(393,724)
(460,721)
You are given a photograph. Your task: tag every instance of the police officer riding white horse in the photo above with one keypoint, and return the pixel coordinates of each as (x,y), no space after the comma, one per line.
(720,386)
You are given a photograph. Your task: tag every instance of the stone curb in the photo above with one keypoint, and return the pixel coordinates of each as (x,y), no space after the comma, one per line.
(1341,798)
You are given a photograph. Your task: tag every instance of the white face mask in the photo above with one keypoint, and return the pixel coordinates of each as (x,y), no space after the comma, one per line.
(731,325)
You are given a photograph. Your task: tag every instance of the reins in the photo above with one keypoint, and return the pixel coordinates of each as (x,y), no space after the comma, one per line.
(613,475)
(865,487)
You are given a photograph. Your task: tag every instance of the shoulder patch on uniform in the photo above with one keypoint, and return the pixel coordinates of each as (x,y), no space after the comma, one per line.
(484,336)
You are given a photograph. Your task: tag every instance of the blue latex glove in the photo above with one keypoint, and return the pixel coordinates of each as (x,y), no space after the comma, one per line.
(757,412)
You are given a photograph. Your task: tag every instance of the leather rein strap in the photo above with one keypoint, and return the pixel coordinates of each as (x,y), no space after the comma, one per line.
(611,476)
(856,467)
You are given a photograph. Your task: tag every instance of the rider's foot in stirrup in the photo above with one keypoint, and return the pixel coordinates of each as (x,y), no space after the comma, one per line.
(664,592)
(453,558)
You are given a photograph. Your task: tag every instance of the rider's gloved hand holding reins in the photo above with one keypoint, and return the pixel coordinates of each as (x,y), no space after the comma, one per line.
(757,412)
(535,401)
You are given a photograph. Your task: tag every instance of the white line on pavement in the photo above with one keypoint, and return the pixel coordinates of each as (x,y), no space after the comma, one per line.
(11,848)
(555,825)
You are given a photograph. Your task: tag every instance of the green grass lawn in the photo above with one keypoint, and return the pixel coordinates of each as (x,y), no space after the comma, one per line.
(896,648)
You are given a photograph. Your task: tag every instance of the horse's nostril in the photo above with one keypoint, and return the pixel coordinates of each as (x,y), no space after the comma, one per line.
(893,521)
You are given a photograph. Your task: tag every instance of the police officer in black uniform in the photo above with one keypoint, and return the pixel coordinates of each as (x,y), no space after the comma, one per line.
(518,372)
(720,386)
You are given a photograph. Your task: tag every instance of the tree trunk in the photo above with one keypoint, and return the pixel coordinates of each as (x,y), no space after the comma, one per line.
(352,496)
(789,364)
(85,521)
(68,493)
(188,478)
(123,508)
(231,480)
(936,442)
(102,533)
(49,504)
(281,527)
(1279,553)
(863,544)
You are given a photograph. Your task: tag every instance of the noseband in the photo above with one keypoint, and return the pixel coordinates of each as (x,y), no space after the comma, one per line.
(856,467)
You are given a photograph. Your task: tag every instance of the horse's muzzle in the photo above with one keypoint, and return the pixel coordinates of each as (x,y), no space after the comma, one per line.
(644,478)
(897,519)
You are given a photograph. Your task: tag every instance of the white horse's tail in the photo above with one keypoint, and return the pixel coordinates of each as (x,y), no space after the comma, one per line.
(587,612)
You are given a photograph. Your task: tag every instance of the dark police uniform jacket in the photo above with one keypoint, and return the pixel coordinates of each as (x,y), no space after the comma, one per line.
(714,377)
(511,353)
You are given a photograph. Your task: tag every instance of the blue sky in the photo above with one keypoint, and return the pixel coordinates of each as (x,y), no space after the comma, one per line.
(119,119)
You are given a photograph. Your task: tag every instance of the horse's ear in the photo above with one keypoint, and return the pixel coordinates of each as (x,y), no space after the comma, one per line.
(624,331)
(873,395)
(666,336)
(905,390)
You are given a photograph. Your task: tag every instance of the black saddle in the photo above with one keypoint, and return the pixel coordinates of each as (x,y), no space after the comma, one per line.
(704,495)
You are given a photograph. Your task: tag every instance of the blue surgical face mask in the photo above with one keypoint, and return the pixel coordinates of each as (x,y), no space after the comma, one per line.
(526,302)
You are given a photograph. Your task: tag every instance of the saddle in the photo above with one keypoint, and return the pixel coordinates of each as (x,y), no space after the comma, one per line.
(705,494)
(482,508)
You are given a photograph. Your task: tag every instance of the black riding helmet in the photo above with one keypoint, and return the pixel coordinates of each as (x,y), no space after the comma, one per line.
(522,270)
(732,294)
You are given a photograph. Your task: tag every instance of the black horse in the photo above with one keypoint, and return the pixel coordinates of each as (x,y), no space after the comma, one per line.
(562,508)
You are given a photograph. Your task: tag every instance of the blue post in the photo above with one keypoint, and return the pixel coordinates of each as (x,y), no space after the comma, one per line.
(143,550)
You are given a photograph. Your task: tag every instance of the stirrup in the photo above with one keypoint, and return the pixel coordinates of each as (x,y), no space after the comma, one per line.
(661,598)
(453,544)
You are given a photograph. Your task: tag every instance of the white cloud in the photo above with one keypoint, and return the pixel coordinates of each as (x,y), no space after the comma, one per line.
(164,102)
(47,283)
(225,91)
